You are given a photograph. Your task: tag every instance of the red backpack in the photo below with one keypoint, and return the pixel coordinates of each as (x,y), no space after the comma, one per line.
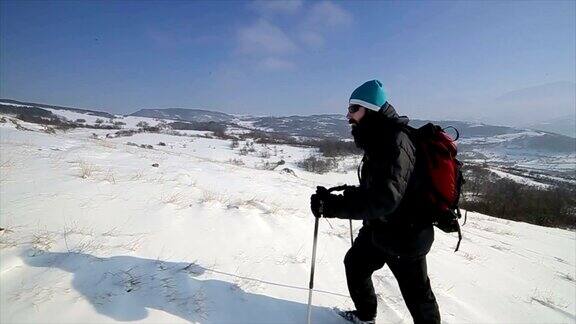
(440,174)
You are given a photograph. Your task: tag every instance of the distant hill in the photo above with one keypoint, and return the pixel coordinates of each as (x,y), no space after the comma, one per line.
(10,102)
(563,125)
(321,126)
(196,115)
(476,139)
(532,105)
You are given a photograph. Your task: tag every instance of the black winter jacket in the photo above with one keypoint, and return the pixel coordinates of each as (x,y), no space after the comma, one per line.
(386,198)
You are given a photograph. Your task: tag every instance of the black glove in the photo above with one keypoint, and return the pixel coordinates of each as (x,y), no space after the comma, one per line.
(351,191)
(317,201)
(316,205)
(322,192)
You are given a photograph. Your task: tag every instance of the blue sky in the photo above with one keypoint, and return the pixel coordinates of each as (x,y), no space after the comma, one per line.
(436,59)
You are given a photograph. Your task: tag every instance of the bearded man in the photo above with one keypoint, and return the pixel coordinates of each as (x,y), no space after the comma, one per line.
(394,231)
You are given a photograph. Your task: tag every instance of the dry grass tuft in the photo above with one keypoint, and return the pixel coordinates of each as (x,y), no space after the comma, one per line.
(87,169)
(110,177)
(172,198)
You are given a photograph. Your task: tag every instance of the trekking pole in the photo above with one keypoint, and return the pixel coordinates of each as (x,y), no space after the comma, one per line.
(311,286)
(351,235)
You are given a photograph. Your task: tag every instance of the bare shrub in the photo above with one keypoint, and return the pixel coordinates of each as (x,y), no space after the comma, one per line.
(292,258)
(220,132)
(317,165)
(172,198)
(80,120)
(137,176)
(236,162)
(41,241)
(86,170)
(110,177)
(265,154)
(126,133)
(507,199)
(334,148)
(271,138)
(38,116)
(49,130)
(267,165)
(7,239)
(288,171)
(151,129)
(209,196)
(468,256)
(99,121)
(247,148)
(547,298)
(218,129)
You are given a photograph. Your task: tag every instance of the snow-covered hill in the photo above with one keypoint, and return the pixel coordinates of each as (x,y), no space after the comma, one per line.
(98,230)
(536,151)
(197,115)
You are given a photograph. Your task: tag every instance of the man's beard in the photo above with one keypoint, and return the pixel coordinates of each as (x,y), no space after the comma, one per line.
(361,133)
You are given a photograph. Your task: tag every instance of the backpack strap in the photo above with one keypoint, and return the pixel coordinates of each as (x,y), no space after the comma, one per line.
(360,167)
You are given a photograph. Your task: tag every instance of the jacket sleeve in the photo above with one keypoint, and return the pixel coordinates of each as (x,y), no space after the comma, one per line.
(380,194)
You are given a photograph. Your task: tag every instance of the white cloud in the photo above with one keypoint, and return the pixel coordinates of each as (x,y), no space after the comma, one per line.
(270,7)
(272,48)
(274,63)
(264,38)
(326,14)
(321,19)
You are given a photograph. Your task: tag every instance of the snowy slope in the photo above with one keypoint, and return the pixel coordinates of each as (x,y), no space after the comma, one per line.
(93,233)
(519,179)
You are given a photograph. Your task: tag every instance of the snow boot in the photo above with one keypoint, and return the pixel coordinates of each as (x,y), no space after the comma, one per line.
(353,317)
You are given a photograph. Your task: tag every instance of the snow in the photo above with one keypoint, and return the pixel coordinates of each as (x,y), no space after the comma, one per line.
(72,115)
(95,234)
(13,104)
(479,140)
(519,179)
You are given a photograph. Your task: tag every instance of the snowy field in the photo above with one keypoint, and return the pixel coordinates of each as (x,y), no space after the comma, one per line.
(94,233)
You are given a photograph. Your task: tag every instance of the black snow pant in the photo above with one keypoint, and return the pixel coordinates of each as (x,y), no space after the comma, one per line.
(364,258)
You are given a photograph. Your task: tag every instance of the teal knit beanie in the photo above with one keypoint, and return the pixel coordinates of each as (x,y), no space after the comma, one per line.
(370,95)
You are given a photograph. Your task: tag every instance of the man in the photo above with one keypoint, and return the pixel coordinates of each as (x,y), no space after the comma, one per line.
(395,231)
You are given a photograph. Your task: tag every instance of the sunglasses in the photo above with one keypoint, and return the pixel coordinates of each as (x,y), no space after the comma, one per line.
(353,109)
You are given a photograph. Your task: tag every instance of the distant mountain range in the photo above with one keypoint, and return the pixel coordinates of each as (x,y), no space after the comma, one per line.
(565,125)
(489,139)
(320,126)
(532,105)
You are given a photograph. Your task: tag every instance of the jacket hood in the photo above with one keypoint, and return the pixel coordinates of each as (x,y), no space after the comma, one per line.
(389,113)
